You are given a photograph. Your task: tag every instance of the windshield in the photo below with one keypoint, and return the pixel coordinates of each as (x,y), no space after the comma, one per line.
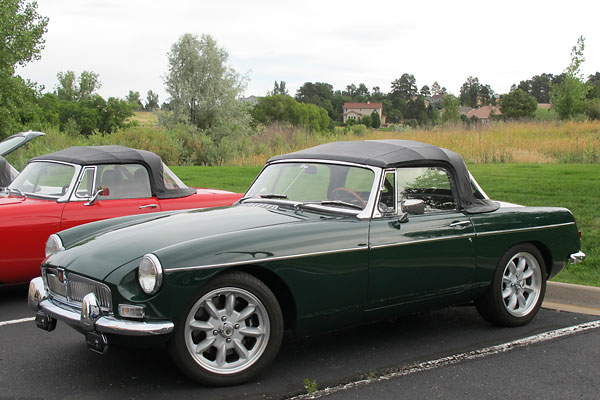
(44,179)
(325,184)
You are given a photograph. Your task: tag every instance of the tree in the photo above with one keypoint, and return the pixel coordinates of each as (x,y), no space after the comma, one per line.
(538,86)
(450,106)
(425,91)
(151,101)
(21,41)
(279,88)
(319,94)
(375,120)
(133,98)
(469,92)
(405,87)
(518,104)
(594,85)
(569,96)
(73,88)
(280,108)
(436,90)
(203,88)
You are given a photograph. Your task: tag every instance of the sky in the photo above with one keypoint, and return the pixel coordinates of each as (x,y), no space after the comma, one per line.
(339,42)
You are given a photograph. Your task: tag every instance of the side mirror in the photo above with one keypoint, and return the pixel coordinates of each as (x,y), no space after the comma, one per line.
(413,206)
(102,191)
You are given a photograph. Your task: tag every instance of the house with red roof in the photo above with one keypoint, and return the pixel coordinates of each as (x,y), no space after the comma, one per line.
(483,114)
(358,110)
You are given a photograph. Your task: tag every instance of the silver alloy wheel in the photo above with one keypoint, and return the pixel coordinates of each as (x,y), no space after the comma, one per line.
(227,330)
(521,284)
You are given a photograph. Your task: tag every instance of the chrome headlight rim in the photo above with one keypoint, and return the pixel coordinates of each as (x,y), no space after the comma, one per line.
(53,245)
(157,273)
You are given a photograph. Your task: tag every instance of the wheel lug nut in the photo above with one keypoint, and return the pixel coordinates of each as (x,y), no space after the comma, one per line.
(215,332)
(223,318)
(228,340)
(237,326)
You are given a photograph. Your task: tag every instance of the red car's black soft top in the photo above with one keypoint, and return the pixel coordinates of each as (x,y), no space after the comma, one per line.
(98,155)
(400,153)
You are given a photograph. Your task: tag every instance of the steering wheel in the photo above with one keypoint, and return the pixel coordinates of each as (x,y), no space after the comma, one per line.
(339,193)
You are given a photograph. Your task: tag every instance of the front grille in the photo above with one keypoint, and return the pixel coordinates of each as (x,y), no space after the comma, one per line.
(73,288)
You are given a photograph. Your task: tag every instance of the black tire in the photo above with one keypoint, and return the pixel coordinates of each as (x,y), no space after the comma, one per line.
(517,289)
(230,331)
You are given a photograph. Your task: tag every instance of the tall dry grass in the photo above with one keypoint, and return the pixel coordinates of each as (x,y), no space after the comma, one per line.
(517,142)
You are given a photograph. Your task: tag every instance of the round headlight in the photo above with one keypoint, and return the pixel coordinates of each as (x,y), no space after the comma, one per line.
(150,274)
(53,245)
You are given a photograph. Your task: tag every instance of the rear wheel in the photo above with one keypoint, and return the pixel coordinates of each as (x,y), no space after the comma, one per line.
(230,332)
(517,288)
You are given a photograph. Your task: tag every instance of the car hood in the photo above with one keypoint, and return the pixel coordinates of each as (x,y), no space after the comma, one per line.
(104,246)
(17,140)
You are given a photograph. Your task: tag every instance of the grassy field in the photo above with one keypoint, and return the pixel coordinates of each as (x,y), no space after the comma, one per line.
(574,186)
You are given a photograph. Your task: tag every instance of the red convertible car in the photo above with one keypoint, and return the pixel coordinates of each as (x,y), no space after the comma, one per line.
(83,184)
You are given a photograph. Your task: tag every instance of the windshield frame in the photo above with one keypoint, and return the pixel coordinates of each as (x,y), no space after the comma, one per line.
(366,212)
(65,197)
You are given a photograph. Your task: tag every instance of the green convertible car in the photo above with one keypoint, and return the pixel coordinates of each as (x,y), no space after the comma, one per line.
(339,234)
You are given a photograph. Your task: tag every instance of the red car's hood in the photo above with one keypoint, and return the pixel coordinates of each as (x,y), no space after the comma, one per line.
(5,201)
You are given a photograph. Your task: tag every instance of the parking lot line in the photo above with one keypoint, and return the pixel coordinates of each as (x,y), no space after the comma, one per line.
(454,359)
(16,321)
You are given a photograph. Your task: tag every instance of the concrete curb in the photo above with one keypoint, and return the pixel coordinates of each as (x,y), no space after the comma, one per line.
(572,298)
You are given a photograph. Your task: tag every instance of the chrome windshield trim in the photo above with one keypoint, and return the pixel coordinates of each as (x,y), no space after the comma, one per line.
(65,197)
(418,241)
(533,228)
(261,260)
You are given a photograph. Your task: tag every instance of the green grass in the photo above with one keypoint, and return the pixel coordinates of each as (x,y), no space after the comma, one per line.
(574,186)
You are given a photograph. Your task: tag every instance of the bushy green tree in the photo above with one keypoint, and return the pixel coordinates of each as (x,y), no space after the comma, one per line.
(77,88)
(375,120)
(133,98)
(450,105)
(280,108)
(366,120)
(21,41)
(151,101)
(319,94)
(203,88)
(518,104)
(569,96)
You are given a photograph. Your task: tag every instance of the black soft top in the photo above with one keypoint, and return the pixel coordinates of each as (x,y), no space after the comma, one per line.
(399,153)
(98,155)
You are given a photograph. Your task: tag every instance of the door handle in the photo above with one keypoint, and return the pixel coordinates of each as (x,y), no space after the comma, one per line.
(460,224)
(148,206)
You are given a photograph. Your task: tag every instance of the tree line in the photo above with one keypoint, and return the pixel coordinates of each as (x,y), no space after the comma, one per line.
(204,92)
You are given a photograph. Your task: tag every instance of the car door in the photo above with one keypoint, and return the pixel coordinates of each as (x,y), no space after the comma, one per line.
(126,192)
(419,258)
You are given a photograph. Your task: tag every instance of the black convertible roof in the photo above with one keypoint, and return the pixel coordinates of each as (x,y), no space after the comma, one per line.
(395,153)
(98,155)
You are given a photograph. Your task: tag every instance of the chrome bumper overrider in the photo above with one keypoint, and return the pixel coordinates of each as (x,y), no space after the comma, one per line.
(90,318)
(576,258)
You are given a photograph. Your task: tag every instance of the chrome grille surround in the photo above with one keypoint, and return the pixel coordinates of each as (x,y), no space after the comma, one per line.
(70,289)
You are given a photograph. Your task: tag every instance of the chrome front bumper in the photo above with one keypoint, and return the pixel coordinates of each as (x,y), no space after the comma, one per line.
(89,318)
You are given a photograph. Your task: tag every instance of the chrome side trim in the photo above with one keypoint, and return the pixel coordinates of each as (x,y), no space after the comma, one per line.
(534,228)
(237,263)
(437,239)
(577,258)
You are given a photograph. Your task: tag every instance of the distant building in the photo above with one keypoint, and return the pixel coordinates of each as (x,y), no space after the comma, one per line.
(250,99)
(358,110)
(483,114)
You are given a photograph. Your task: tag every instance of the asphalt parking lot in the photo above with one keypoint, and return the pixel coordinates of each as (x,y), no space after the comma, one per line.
(423,356)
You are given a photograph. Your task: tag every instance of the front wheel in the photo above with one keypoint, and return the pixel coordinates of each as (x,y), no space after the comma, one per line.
(517,289)
(230,332)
